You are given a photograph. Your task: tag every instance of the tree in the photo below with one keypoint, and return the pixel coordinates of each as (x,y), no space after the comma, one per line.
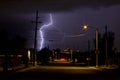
(43,55)
(109,36)
(18,42)
(4,41)
(110,43)
(9,43)
(102,46)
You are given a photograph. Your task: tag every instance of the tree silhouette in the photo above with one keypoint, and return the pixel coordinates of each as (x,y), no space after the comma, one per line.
(4,41)
(102,46)
(18,42)
(43,55)
(9,43)
(110,44)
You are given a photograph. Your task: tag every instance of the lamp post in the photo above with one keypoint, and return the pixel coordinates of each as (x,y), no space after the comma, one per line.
(85,27)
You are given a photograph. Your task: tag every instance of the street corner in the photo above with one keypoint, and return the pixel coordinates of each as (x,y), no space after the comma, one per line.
(109,68)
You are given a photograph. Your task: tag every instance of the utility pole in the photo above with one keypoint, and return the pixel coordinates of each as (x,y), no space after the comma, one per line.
(89,46)
(89,57)
(106,49)
(97,47)
(35,38)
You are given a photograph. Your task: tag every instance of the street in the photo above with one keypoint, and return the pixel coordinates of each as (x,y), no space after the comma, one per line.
(61,73)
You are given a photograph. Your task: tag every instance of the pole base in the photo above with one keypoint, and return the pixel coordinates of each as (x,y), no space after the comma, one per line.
(96,65)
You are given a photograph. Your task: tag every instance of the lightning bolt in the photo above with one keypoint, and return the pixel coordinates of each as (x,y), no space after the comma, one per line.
(49,24)
(41,32)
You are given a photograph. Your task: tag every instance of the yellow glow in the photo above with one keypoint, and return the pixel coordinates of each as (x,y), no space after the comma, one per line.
(29,54)
(85,27)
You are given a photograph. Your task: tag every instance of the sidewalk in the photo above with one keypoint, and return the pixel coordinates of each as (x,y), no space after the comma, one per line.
(109,68)
(20,67)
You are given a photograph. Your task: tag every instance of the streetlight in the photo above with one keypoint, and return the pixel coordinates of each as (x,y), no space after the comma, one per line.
(85,27)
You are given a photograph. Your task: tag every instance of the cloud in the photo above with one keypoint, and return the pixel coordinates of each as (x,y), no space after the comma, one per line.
(16,15)
(53,5)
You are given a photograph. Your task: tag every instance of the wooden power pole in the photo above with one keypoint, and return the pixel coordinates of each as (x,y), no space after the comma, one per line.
(35,38)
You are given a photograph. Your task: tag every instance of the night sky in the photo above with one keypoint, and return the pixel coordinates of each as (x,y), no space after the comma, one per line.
(68,18)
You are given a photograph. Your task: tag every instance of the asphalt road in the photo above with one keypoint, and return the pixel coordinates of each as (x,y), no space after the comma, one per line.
(61,73)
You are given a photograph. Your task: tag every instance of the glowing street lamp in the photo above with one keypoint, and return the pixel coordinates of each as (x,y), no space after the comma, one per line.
(85,27)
